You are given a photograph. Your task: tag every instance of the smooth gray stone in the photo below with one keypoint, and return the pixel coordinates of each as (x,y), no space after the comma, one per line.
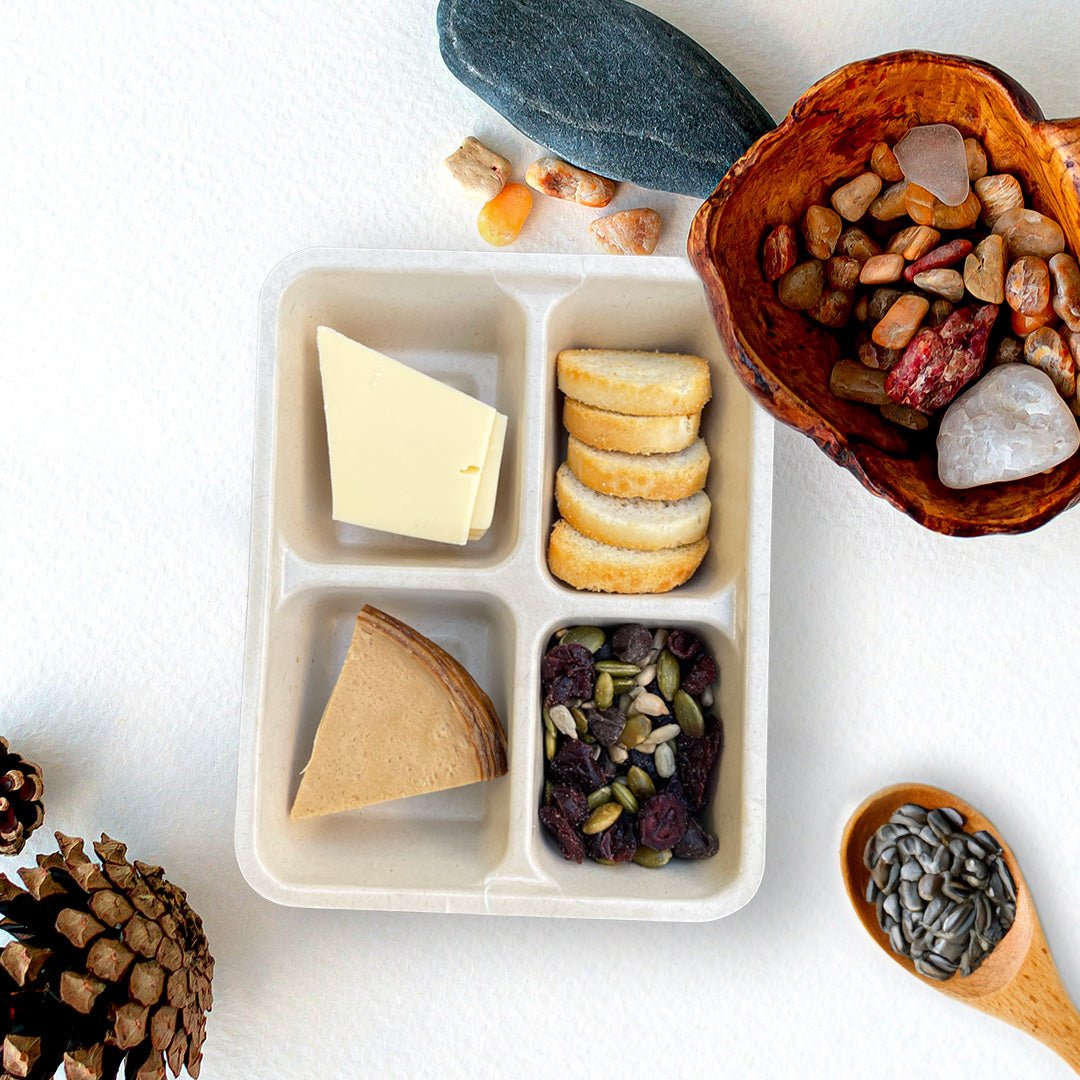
(606,85)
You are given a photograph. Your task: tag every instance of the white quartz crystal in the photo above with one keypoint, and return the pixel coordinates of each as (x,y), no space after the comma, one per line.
(1012,423)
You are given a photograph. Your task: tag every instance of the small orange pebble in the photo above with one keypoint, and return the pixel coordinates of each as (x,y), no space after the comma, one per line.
(561,180)
(501,219)
(1022,325)
(629,232)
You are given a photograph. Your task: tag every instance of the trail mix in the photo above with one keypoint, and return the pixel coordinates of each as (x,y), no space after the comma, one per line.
(630,744)
(933,268)
(944,897)
(480,173)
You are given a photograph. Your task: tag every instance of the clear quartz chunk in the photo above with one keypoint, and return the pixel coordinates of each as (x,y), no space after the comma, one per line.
(933,157)
(1010,424)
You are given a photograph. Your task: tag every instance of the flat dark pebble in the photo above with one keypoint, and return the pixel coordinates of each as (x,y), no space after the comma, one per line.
(606,85)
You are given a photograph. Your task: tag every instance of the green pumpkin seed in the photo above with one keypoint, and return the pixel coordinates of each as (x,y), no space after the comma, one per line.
(549,746)
(640,782)
(549,724)
(581,721)
(589,740)
(621,686)
(625,796)
(617,669)
(688,714)
(547,792)
(636,730)
(667,675)
(604,691)
(600,796)
(603,817)
(592,637)
(645,856)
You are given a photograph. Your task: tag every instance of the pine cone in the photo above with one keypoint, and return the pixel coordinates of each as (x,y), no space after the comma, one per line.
(21,792)
(110,966)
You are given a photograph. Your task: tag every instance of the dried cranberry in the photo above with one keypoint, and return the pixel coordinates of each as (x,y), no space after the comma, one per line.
(631,643)
(571,802)
(696,843)
(643,761)
(662,821)
(556,823)
(616,843)
(702,674)
(607,725)
(573,764)
(578,685)
(682,644)
(696,759)
(564,659)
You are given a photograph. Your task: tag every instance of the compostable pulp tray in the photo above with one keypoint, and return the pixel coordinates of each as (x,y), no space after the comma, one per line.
(490,325)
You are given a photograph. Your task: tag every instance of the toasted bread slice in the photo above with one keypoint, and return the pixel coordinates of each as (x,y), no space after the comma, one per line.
(629,434)
(369,748)
(588,564)
(640,524)
(635,383)
(643,476)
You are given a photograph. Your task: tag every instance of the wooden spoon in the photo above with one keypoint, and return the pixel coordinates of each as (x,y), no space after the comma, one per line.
(1018,981)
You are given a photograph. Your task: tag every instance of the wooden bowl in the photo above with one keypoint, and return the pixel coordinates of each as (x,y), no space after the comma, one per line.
(784,358)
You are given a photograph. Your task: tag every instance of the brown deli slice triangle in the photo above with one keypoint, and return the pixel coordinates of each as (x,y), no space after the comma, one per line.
(404,718)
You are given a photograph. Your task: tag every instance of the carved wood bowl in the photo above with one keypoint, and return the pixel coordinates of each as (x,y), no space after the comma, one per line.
(784,358)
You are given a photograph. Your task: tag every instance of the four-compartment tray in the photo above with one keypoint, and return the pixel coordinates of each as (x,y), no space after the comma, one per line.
(490,325)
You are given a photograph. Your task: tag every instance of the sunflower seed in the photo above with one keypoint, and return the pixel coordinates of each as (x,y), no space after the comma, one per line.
(911,871)
(664,759)
(635,693)
(707,698)
(915,812)
(880,874)
(891,906)
(988,841)
(891,832)
(659,639)
(908,846)
(872,890)
(909,896)
(888,855)
(958,847)
(646,675)
(1006,880)
(595,751)
(929,884)
(646,747)
(664,733)
(651,705)
(896,939)
(563,720)
(617,754)
(933,911)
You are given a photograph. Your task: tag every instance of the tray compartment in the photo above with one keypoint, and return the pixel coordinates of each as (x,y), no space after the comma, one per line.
(611,312)
(462,329)
(446,839)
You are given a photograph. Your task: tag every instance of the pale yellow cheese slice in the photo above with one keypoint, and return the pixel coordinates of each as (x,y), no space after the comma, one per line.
(484,510)
(407,452)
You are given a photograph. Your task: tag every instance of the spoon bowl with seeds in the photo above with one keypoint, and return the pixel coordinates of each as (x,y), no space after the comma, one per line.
(1017,981)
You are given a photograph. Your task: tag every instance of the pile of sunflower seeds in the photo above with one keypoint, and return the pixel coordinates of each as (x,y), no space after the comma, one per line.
(944,897)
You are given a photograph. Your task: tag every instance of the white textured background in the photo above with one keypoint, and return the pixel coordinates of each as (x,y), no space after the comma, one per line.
(154,165)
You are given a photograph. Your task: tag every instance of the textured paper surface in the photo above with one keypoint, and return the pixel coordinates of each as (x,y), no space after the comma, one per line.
(157,161)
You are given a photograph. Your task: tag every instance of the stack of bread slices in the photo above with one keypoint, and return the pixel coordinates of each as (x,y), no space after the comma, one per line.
(635,515)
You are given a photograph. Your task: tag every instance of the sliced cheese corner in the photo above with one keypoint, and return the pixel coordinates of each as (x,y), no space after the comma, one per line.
(407,452)
(484,510)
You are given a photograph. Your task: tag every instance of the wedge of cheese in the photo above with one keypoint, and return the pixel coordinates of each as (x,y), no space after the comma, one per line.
(408,454)
(489,481)
(404,718)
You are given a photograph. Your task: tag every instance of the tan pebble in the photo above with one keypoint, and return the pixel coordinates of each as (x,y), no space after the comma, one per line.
(480,172)
(1027,285)
(852,199)
(833,309)
(946,283)
(1027,232)
(1073,342)
(891,203)
(874,356)
(1022,325)
(854,382)
(928,209)
(984,271)
(997,194)
(800,288)
(940,310)
(1009,351)
(629,232)
(1045,350)
(881,301)
(901,321)
(914,241)
(843,272)
(976,159)
(1066,275)
(905,416)
(561,180)
(861,310)
(881,269)
(857,243)
(821,229)
(883,162)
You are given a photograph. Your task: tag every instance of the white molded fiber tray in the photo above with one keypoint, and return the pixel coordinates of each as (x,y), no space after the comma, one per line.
(491,325)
